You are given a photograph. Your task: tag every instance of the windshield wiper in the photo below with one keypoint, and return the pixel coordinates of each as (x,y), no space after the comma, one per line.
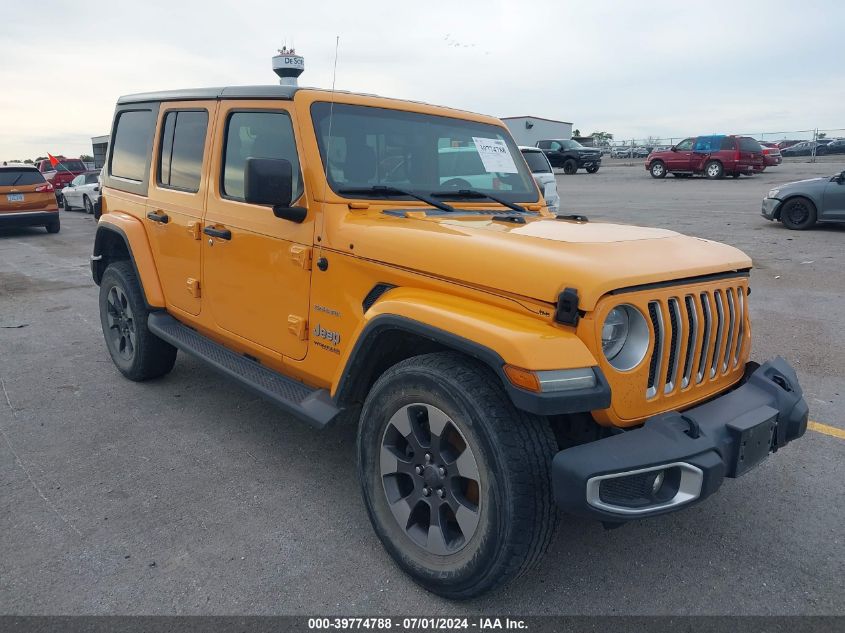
(475,193)
(383,190)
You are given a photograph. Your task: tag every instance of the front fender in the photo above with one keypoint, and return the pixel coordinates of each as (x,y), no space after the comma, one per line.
(493,335)
(134,237)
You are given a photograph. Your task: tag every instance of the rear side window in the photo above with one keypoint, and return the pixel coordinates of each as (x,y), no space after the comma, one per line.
(12,177)
(91,178)
(727,144)
(537,162)
(132,139)
(257,135)
(181,149)
(749,145)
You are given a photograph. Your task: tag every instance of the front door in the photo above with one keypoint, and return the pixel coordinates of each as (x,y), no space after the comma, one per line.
(256,267)
(178,185)
(680,156)
(833,207)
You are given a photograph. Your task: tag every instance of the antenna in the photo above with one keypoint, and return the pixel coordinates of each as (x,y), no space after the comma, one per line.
(328,147)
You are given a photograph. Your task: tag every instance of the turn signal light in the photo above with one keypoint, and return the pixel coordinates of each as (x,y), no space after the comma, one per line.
(524,378)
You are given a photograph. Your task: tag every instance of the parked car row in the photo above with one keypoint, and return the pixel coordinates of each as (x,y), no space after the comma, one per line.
(61,173)
(820,147)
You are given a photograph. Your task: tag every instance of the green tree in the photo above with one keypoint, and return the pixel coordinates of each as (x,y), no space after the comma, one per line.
(577,132)
(602,137)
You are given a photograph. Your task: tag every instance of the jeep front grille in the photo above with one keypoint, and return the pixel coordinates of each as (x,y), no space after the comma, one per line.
(698,336)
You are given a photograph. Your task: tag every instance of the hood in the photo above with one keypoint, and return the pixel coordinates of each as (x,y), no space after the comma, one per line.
(540,258)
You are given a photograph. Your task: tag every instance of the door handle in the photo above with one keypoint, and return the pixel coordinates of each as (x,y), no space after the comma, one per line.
(223,234)
(158,217)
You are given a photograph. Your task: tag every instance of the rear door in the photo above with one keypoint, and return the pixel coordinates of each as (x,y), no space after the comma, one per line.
(679,158)
(703,148)
(256,267)
(178,185)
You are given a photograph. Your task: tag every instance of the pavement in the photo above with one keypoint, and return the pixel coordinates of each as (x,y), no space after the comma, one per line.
(188,495)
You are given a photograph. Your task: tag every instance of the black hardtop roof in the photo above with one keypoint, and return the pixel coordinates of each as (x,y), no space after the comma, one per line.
(202,94)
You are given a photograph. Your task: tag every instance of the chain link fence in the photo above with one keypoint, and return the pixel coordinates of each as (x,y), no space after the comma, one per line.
(809,143)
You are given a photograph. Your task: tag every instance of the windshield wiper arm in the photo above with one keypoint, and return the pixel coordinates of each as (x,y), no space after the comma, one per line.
(475,193)
(383,190)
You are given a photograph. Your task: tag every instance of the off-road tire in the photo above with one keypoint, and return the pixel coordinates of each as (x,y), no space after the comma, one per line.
(151,357)
(592,170)
(714,170)
(513,451)
(570,166)
(54,227)
(798,214)
(88,205)
(658,169)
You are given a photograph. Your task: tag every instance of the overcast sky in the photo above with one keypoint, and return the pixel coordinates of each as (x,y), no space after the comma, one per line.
(670,70)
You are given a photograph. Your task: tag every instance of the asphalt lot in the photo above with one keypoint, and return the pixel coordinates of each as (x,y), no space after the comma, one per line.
(188,495)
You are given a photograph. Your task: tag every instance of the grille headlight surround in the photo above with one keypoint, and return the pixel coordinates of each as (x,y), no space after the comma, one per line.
(624,337)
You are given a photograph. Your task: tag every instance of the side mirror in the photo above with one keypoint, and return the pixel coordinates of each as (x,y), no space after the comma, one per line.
(269,181)
(674,148)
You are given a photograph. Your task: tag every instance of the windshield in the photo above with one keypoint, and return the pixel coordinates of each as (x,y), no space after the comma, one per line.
(418,152)
(537,162)
(571,145)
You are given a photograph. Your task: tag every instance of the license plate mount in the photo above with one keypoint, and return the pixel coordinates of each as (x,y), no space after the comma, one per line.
(753,433)
(14,197)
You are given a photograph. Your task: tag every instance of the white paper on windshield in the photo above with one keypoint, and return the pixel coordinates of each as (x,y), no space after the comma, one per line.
(495,155)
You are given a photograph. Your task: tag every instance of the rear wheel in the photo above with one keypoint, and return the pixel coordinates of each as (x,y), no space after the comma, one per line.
(54,226)
(735,174)
(798,214)
(714,170)
(137,352)
(570,166)
(658,169)
(89,206)
(456,481)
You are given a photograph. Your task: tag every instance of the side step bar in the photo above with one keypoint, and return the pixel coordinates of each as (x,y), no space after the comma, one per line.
(314,406)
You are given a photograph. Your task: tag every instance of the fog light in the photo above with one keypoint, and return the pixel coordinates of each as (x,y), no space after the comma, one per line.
(658,482)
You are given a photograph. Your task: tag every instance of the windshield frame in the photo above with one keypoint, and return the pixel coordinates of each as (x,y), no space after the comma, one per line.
(319,110)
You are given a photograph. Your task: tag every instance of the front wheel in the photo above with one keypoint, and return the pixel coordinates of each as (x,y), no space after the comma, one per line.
(592,170)
(798,214)
(658,169)
(714,170)
(456,481)
(570,166)
(65,204)
(138,353)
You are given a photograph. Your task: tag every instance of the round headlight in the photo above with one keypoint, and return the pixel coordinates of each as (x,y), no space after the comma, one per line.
(624,337)
(614,332)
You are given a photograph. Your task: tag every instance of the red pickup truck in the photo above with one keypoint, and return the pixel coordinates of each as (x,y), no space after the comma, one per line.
(59,176)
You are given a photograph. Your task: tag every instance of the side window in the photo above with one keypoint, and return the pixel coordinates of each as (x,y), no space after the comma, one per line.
(257,135)
(727,144)
(555,146)
(181,149)
(130,148)
(543,144)
(79,180)
(91,179)
(706,144)
(685,145)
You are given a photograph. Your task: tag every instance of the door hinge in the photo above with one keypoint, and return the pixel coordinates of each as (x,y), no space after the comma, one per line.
(301,255)
(194,230)
(298,326)
(194,287)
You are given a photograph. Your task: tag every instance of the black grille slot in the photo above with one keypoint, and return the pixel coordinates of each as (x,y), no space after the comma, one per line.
(630,491)
(673,342)
(658,344)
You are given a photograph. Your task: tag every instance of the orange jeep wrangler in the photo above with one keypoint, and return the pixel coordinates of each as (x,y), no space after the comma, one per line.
(392,264)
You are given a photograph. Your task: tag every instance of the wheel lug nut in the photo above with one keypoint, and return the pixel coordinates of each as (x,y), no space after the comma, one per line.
(426,491)
(419,470)
(442,471)
(441,493)
(428,457)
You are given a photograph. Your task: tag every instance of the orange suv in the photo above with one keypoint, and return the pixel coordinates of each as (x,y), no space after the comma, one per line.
(392,265)
(27,199)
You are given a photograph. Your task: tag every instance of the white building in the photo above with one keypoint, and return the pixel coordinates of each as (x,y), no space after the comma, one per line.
(527,130)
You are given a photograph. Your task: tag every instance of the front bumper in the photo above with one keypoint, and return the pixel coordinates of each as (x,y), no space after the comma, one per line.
(589,161)
(619,478)
(771,208)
